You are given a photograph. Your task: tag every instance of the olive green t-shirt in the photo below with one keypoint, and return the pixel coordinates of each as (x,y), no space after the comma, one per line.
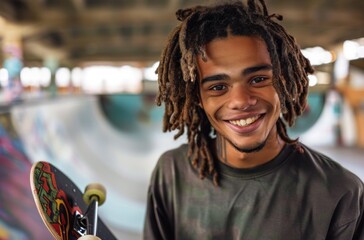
(296,195)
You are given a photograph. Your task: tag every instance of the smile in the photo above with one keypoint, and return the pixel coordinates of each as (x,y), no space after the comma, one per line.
(244,122)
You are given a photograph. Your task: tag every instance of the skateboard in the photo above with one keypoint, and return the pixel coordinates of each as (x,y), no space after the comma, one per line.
(68,213)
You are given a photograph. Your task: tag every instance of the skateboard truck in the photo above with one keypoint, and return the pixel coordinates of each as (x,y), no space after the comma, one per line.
(80,223)
(86,225)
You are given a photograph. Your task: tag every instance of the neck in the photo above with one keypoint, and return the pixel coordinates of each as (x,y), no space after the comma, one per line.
(229,154)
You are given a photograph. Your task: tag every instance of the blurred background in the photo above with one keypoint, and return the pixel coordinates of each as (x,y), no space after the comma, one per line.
(77,89)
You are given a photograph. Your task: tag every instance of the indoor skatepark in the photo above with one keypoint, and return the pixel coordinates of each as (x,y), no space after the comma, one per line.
(79,136)
(87,147)
(112,132)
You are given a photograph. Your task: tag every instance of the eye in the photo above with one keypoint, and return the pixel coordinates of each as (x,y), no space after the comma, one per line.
(217,87)
(259,79)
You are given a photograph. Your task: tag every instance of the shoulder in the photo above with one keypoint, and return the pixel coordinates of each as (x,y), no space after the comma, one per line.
(329,171)
(173,156)
(171,162)
(175,152)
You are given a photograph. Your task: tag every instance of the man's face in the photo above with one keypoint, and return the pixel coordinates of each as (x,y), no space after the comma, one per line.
(236,91)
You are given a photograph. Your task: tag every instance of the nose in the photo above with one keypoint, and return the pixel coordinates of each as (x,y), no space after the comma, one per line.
(241,98)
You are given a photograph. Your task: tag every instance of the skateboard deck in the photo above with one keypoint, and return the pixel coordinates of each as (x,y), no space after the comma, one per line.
(60,203)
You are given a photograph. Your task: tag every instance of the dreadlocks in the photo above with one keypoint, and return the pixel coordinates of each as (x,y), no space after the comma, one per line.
(178,73)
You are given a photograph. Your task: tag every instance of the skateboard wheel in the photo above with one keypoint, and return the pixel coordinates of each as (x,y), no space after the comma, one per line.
(94,190)
(89,237)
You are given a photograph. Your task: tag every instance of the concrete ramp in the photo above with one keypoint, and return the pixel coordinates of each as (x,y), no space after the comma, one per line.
(74,134)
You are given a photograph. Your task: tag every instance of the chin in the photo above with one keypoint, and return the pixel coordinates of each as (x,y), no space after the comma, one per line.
(251,148)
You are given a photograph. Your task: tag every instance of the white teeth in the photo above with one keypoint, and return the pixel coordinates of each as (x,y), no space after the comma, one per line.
(244,122)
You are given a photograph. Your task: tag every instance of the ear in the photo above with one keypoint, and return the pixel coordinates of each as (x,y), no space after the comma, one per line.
(198,88)
(199,101)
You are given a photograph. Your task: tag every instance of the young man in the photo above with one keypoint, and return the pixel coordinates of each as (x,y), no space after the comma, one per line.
(233,78)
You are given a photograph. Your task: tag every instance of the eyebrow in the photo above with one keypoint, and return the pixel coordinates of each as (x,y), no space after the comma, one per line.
(258,68)
(216,77)
(245,72)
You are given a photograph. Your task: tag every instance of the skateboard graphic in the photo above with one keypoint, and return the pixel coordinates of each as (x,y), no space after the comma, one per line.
(68,213)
